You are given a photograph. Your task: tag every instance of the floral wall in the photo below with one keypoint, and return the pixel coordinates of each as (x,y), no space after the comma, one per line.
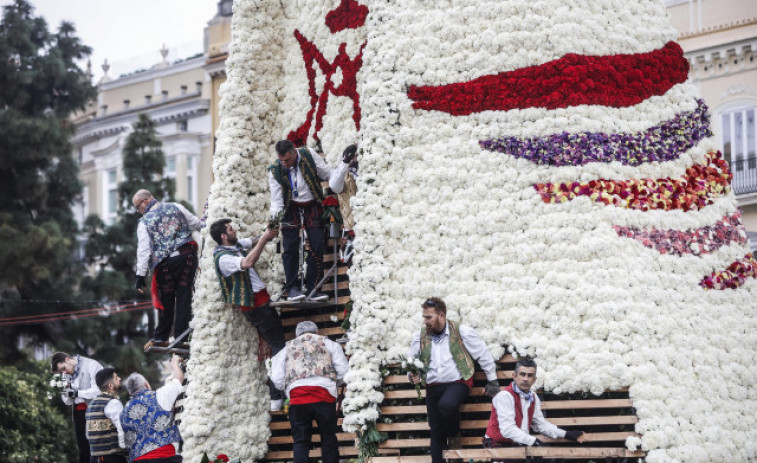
(543,166)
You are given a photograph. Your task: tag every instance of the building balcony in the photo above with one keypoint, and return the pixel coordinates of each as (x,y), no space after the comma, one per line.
(744,176)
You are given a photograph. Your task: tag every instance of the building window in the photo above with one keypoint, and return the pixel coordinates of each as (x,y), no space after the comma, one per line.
(740,148)
(182,126)
(111,196)
(191,181)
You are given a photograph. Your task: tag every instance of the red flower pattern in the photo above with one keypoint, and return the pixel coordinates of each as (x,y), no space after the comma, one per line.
(734,276)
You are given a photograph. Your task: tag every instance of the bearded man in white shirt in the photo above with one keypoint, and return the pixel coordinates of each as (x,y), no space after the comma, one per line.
(447,351)
(516,409)
(79,372)
(295,184)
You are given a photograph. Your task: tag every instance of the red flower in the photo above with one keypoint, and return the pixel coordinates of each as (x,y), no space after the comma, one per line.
(331,201)
(223,458)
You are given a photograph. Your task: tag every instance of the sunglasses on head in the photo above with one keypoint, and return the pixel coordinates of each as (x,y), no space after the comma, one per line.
(430,303)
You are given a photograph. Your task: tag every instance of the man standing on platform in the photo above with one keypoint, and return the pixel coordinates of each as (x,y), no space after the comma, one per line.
(295,184)
(447,351)
(516,409)
(166,247)
(106,437)
(308,368)
(148,418)
(242,287)
(80,373)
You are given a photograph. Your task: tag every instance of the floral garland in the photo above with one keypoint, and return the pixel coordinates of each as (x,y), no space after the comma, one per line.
(615,80)
(664,142)
(699,187)
(734,276)
(704,240)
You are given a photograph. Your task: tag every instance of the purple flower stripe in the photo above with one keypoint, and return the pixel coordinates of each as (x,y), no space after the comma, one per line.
(665,142)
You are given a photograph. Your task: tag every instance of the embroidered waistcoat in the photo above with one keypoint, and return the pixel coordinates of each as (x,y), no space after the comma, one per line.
(460,354)
(492,430)
(307,356)
(307,165)
(236,288)
(101,432)
(146,425)
(168,230)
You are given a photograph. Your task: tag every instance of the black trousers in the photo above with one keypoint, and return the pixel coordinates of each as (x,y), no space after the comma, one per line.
(301,418)
(80,430)
(291,243)
(109,459)
(268,323)
(443,408)
(176,277)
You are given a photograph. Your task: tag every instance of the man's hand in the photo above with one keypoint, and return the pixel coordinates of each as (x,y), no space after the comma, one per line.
(492,388)
(140,283)
(72,393)
(269,234)
(349,154)
(575,436)
(415,379)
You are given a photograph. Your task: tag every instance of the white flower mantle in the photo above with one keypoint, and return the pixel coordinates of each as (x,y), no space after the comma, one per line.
(437,215)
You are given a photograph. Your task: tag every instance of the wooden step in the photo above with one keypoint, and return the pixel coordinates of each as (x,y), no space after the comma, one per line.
(322,331)
(477,441)
(330,286)
(286,306)
(340,436)
(293,321)
(568,453)
(481,424)
(479,375)
(545,405)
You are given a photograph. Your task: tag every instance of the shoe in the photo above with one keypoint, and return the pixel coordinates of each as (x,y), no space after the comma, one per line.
(276,405)
(318,297)
(155,343)
(295,295)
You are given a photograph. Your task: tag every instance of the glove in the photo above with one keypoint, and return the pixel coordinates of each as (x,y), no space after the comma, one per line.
(573,435)
(349,154)
(492,388)
(538,443)
(140,282)
(72,393)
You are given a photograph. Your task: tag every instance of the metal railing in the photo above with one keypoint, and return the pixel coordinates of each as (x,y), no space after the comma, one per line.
(744,175)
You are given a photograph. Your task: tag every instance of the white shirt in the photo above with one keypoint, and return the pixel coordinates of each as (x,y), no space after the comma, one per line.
(144,243)
(279,372)
(166,395)
(442,367)
(334,176)
(503,403)
(229,264)
(86,367)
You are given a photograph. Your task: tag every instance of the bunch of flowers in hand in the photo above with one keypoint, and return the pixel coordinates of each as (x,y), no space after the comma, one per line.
(58,385)
(414,366)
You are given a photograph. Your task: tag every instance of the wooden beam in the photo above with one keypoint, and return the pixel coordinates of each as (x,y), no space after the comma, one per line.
(313,318)
(340,436)
(479,375)
(481,424)
(553,405)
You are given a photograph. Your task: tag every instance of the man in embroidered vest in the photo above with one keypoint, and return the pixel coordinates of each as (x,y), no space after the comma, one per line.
(516,409)
(447,351)
(106,437)
(308,368)
(242,287)
(79,372)
(295,184)
(166,247)
(148,418)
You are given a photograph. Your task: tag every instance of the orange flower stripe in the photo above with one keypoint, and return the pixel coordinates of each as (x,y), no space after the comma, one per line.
(700,185)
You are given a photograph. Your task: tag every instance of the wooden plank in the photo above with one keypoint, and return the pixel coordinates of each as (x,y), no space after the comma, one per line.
(341,436)
(322,331)
(553,405)
(481,424)
(345,451)
(313,318)
(340,285)
(286,306)
(477,441)
(479,375)
(547,452)
(280,425)
(407,459)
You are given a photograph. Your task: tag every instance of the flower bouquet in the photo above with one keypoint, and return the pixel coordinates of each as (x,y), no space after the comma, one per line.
(58,385)
(331,210)
(220,458)
(414,366)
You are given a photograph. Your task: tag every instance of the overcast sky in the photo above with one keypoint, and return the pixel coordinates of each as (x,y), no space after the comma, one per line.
(130,33)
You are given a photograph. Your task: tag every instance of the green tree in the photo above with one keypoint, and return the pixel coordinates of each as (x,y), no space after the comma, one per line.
(41,86)
(31,427)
